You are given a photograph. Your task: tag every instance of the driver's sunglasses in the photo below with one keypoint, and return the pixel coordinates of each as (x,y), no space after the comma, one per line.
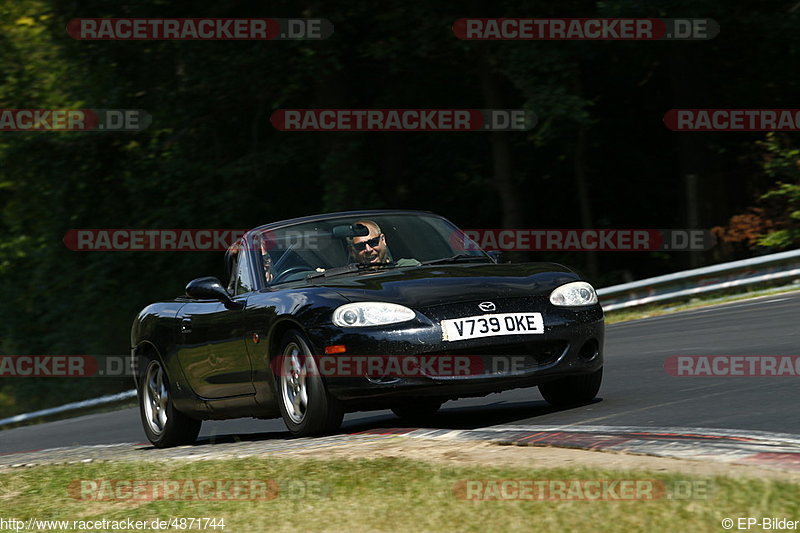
(361,246)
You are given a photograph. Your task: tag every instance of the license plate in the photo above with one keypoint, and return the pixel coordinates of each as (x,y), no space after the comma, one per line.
(472,327)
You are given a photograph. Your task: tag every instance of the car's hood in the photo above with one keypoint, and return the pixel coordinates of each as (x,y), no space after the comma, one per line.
(434,285)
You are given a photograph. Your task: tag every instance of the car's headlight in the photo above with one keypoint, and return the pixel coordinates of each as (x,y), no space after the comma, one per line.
(362,314)
(574,294)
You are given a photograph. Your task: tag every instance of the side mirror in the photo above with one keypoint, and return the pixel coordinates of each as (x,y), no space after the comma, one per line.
(210,288)
(496,255)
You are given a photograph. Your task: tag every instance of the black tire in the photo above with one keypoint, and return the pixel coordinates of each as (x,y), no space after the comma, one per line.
(572,390)
(321,413)
(417,411)
(175,428)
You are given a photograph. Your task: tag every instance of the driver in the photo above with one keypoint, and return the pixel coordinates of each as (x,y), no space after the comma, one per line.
(370,248)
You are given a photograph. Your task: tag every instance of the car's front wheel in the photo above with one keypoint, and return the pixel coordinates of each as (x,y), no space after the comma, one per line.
(164,425)
(572,390)
(307,408)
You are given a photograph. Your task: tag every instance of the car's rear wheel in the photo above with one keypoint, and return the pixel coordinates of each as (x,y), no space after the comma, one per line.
(164,425)
(417,411)
(307,408)
(572,390)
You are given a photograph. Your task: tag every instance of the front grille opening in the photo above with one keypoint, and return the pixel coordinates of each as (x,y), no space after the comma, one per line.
(504,358)
(382,380)
(541,352)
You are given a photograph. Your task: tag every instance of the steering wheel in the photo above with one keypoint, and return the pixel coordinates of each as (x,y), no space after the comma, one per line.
(290,270)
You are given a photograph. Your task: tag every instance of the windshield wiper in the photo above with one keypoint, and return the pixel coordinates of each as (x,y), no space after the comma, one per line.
(458,258)
(350,268)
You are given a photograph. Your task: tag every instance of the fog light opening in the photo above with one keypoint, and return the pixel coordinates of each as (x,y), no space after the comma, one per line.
(589,350)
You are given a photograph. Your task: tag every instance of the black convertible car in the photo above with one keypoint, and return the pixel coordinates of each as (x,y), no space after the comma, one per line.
(359,311)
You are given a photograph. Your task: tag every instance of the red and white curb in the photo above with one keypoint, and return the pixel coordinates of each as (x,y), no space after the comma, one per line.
(761,448)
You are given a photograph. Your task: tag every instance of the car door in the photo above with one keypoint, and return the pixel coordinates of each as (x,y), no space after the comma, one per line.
(212,348)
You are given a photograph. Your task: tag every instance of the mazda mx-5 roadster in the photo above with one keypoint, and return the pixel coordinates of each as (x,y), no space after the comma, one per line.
(359,311)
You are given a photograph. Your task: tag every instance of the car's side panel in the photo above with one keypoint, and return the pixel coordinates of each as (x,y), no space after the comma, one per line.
(154,332)
(211,350)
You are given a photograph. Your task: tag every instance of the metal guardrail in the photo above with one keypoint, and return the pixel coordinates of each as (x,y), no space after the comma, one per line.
(781,266)
(75,406)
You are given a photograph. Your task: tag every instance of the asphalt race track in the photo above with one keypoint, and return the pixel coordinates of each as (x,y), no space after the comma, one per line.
(636,390)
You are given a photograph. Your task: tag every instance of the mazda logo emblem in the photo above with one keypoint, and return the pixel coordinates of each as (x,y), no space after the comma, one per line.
(487,306)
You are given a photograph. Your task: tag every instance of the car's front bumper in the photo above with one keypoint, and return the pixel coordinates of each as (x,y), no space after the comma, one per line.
(572,343)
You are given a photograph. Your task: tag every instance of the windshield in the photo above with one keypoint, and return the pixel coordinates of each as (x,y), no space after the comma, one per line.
(314,248)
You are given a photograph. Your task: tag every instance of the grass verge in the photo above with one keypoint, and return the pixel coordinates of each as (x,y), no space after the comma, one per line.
(391,494)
